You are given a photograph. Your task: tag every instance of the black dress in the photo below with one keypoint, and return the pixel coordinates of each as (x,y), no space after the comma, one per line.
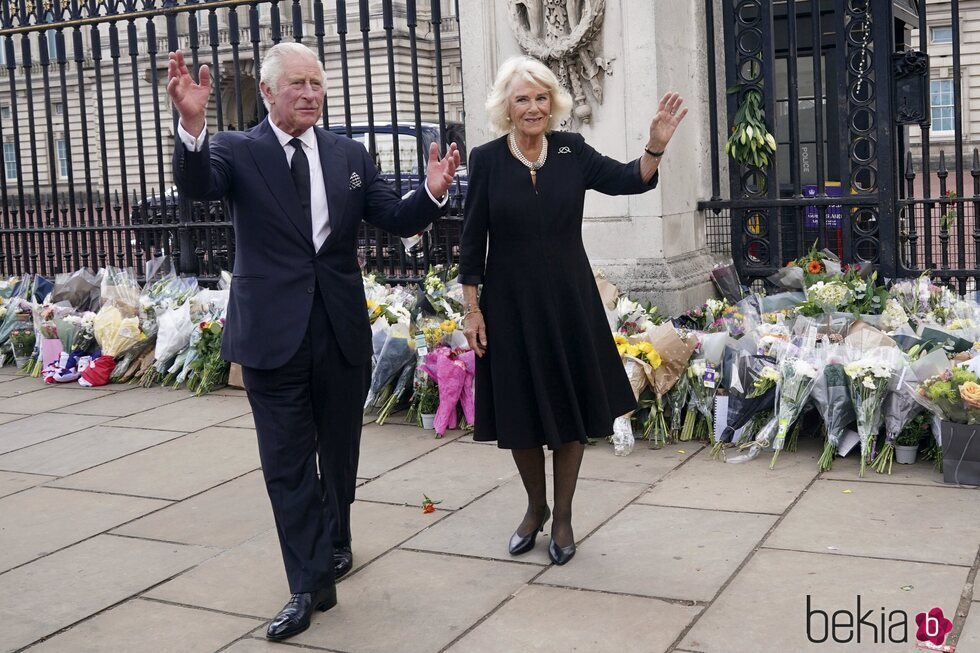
(551,373)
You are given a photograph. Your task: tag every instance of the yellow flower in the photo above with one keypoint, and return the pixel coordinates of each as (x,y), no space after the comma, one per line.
(620,339)
(448,326)
(645,347)
(654,358)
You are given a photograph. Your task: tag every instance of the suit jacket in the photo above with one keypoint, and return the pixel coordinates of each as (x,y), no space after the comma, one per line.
(276,268)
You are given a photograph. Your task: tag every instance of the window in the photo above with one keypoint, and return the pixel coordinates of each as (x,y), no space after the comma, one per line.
(51,36)
(5,112)
(942,34)
(62,153)
(941,96)
(10,161)
(59,108)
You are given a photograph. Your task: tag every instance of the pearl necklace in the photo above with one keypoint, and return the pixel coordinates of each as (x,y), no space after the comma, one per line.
(532,166)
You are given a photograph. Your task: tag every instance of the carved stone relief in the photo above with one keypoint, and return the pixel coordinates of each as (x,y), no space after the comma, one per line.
(563,34)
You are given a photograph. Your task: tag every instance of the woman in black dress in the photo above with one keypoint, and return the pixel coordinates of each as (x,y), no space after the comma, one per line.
(547,373)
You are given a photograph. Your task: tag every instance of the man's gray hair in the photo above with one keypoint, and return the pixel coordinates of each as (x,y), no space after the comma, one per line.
(271,69)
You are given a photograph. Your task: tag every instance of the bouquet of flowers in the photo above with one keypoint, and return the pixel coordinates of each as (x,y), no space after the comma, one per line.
(751,389)
(630,318)
(833,402)
(453,372)
(22,342)
(639,361)
(425,398)
(443,292)
(115,334)
(868,378)
(826,297)
(674,351)
(174,330)
(120,289)
(207,369)
(82,289)
(396,353)
(797,376)
(900,407)
(725,278)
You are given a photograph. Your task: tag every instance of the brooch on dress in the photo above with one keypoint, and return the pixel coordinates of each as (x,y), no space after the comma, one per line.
(564,149)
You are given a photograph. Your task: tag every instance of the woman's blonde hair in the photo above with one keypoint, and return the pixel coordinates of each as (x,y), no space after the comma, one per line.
(531,70)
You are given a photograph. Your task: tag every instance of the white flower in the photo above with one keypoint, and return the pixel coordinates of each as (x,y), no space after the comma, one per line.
(803,368)
(868,383)
(769,373)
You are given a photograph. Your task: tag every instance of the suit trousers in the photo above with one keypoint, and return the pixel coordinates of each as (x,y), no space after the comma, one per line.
(307,418)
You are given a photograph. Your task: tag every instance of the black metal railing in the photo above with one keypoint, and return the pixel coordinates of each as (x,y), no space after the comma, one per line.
(841,82)
(87,128)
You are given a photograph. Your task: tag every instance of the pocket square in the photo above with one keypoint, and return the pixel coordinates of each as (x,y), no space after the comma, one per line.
(355,181)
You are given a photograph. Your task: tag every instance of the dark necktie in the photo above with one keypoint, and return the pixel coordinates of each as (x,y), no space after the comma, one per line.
(300,167)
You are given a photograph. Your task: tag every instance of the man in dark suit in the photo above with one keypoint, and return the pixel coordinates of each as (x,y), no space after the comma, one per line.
(297,317)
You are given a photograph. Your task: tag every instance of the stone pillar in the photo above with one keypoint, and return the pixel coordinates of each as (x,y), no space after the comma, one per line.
(653,245)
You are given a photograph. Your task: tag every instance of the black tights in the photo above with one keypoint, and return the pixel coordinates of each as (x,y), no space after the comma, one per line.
(566,462)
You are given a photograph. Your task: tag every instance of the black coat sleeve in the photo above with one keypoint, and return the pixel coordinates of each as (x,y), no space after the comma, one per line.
(476,224)
(207,173)
(609,176)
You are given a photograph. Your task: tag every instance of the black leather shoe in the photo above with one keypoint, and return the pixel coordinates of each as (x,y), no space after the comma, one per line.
(343,560)
(294,618)
(560,554)
(523,543)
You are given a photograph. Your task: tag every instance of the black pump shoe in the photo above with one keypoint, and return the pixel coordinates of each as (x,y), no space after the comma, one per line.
(560,554)
(523,543)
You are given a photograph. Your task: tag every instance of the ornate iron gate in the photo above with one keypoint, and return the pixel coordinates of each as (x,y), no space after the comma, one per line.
(87,129)
(839,83)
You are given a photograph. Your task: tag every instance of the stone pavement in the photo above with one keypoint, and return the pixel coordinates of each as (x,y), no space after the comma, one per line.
(136,520)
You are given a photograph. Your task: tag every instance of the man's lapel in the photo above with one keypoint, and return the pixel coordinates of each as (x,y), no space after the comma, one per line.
(270,161)
(336,177)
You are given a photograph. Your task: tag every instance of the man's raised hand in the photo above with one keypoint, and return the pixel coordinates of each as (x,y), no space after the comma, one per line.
(439,172)
(190,98)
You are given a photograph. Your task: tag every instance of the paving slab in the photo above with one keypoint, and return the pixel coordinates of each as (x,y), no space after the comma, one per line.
(674,553)
(484,527)
(905,522)
(19,385)
(222,517)
(129,403)
(243,422)
(262,591)
(644,465)
(17,434)
(454,474)
(714,484)
(923,472)
(72,453)
(49,594)
(616,623)
(969,639)
(764,609)
(255,645)
(42,520)
(403,602)
(176,469)
(10,417)
(190,414)
(385,447)
(48,398)
(150,627)
(11,482)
